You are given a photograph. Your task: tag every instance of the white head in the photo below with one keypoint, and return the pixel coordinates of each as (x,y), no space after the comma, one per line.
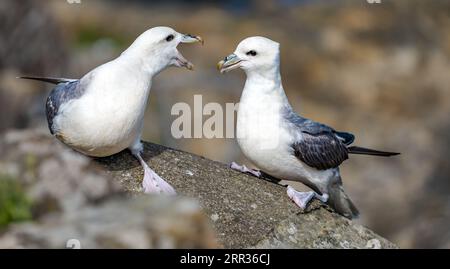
(157,47)
(254,55)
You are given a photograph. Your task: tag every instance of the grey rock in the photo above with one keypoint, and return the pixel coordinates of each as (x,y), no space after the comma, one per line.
(75,204)
(244,211)
(141,222)
(247,212)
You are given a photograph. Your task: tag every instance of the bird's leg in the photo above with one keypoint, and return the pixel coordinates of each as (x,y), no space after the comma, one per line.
(245,169)
(323,198)
(303,198)
(152,183)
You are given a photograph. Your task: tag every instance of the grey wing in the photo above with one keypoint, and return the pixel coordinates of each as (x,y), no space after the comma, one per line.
(321,146)
(61,94)
(321,151)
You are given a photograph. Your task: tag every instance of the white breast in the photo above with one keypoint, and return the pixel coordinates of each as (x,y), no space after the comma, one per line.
(265,140)
(258,128)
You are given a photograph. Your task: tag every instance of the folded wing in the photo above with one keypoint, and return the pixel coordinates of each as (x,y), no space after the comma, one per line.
(322,151)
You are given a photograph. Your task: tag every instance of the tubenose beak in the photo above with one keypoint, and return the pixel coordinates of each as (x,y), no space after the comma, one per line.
(230,62)
(188,38)
(180,61)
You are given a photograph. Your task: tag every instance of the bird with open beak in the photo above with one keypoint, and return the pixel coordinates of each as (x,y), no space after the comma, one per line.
(103,112)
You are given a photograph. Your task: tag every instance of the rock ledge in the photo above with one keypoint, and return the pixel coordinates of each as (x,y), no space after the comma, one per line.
(244,211)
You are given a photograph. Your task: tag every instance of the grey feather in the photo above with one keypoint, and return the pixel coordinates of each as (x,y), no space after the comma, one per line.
(346,138)
(48,79)
(321,146)
(305,125)
(338,199)
(322,151)
(61,94)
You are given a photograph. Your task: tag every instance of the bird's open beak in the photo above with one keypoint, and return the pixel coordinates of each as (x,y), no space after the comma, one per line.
(180,60)
(230,62)
(191,39)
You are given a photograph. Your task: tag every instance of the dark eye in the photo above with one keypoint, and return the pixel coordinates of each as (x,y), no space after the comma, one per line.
(169,38)
(252,53)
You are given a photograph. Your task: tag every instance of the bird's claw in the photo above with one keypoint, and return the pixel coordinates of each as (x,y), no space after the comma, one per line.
(301,199)
(152,183)
(245,169)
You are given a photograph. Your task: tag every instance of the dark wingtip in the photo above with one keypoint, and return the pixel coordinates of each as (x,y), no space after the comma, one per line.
(390,154)
(366,151)
(47,79)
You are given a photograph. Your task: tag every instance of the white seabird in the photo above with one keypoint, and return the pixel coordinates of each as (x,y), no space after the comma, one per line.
(278,140)
(103,112)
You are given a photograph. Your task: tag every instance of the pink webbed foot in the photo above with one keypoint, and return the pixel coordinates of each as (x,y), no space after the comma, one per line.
(245,169)
(152,182)
(302,199)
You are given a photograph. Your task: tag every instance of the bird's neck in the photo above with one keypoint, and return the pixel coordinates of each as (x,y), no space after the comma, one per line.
(271,77)
(264,86)
(142,62)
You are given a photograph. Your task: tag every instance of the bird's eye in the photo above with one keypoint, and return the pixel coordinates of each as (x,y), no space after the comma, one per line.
(252,53)
(169,38)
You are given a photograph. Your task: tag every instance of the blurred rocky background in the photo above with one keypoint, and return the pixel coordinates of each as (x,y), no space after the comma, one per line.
(51,196)
(380,71)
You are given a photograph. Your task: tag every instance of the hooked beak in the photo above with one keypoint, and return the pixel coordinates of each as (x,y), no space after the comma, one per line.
(188,38)
(230,62)
(180,61)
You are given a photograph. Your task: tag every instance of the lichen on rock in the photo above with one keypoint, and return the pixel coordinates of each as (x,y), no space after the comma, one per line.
(14,204)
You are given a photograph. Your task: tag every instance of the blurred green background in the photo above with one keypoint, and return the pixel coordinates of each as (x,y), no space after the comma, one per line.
(380,71)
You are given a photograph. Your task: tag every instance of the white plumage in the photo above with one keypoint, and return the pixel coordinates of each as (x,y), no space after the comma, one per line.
(282,143)
(103,112)
(263,134)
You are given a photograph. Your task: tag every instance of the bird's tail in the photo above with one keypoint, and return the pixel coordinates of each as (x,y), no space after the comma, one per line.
(49,79)
(338,199)
(341,203)
(366,151)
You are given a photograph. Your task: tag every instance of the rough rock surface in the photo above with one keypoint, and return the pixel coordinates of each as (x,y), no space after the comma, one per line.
(245,212)
(67,201)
